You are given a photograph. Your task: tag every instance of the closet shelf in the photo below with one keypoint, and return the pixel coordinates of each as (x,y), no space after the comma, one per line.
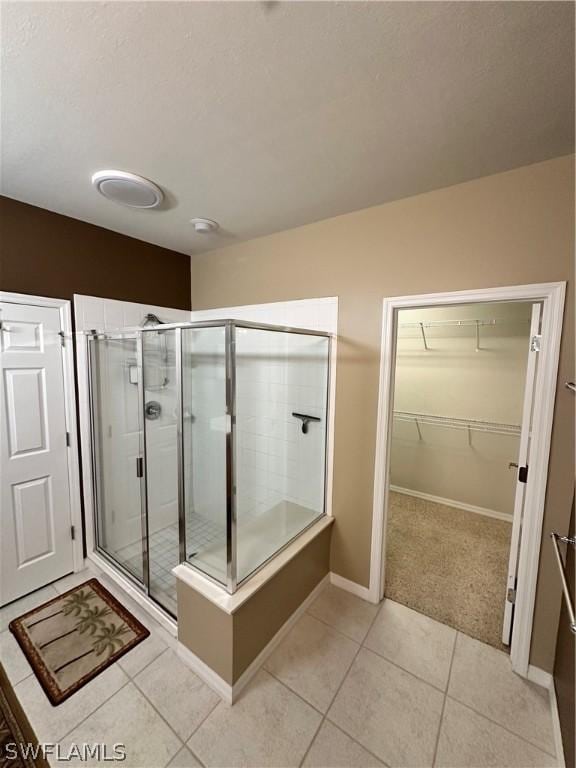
(476,324)
(467,425)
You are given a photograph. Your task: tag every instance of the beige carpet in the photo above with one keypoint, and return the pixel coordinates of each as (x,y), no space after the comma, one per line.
(448,564)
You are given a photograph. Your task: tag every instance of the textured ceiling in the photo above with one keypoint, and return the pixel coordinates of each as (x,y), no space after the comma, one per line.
(266,116)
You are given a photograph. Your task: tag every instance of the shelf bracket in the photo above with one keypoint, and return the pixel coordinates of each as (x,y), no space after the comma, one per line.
(423,332)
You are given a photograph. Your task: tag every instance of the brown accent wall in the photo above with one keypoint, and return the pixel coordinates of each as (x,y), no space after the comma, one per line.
(45,254)
(508,229)
(229,643)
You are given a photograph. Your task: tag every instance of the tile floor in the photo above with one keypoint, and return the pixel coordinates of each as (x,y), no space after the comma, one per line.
(351,685)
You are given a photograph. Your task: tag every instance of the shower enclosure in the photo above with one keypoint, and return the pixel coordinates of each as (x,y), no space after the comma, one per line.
(209,447)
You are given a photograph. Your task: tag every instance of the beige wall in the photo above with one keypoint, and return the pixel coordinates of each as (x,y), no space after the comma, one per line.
(507,229)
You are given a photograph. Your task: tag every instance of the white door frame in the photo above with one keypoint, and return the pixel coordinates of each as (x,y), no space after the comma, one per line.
(552,297)
(63,305)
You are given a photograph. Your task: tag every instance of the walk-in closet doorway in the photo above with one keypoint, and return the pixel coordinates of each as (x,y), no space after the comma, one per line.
(466,399)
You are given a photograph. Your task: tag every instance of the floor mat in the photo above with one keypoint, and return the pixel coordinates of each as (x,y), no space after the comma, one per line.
(18,743)
(75,636)
(448,564)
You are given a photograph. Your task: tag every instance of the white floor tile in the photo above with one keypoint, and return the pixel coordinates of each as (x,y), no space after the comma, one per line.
(468,739)
(12,658)
(177,693)
(268,726)
(51,723)
(75,579)
(335,749)
(390,712)
(482,678)
(313,660)
(414,642)
(128,719)
(345,612)
(139,657)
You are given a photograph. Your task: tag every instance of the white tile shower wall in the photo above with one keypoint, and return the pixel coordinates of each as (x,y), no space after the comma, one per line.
(275,376)
(92,312)
(204,388)
(278,374)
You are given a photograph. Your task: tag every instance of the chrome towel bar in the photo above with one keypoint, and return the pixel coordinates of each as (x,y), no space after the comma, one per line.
(569,604)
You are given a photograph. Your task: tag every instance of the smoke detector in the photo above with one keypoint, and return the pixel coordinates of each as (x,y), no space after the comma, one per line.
(204,226)
(128,189)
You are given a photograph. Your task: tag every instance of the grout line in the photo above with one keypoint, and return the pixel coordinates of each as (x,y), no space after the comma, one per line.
(132,677)
(408,671)
(504,727)
(334,725)
(329,707)
(107,699)
(183,742)
(441,720)
(339,631)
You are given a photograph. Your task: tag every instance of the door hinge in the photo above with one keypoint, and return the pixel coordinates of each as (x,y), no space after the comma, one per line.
(72,532)
(139,467)
(511,595)
(62,338)
(535,343)
(68,439)
(523,474)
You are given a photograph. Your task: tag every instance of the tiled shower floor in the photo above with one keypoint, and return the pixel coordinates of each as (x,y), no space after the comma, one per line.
(164,555)
(258,538)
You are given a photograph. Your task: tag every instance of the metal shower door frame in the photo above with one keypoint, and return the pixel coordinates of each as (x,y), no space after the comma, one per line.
(229,326)
(97,471)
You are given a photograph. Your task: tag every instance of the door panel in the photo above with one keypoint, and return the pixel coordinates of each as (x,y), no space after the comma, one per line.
(523,461)
(160,380)
(27,413)
(33,520)
(36,544)
(119,446)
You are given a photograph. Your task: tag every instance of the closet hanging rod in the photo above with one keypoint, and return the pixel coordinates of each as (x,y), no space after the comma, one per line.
(456,323)
(452,423)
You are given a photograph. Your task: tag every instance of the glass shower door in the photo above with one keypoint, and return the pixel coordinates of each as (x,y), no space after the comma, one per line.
(118,451)
(161,382)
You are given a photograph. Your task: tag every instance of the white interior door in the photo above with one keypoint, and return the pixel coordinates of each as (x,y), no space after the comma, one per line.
(35,516)
(522,472)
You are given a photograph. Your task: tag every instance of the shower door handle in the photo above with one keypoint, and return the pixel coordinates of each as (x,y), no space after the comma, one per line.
(139,467)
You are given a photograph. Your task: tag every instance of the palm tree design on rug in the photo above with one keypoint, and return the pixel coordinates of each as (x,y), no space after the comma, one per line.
(108,639)
(73,606)
(93,619)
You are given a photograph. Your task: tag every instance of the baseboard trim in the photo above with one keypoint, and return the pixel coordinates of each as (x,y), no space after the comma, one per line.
(452,503)
(230,693)
(540,677)
(205,673)
(546,680)
(559,744)
(352,587)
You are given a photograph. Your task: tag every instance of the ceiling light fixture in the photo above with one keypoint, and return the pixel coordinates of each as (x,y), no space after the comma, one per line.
(128,189)
(204,226)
